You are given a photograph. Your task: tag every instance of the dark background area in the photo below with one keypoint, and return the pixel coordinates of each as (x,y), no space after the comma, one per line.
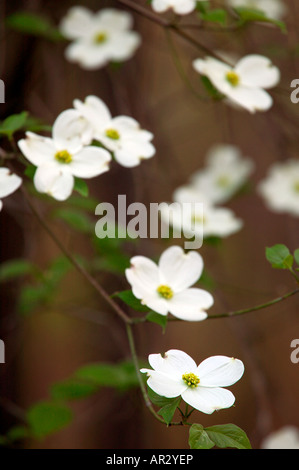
(49,345)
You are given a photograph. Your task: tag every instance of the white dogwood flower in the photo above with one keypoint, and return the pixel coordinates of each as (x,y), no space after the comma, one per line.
(64,156)
(275,9)
(285,438)
(180,7)
(122,135)
(166,287)
(245,83)
(176,373)
(207,221)
(9,183)
(225,173)
(99,38)
(280,189)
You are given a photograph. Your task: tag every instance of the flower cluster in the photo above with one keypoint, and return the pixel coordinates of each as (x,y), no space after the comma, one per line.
(69,154)
(225,173)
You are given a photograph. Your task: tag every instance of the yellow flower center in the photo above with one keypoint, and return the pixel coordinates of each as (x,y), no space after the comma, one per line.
(165,291)
(223,181)
(233,78)
(296,187)
(112,134)
(198,219)
(63,156)
(191,379)
(100,38)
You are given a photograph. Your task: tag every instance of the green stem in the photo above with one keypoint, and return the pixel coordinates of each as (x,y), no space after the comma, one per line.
(90,279)
(139,376)
(160,21)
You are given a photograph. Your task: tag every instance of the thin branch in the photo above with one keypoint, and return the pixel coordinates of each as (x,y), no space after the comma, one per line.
(162,22)
(90,279)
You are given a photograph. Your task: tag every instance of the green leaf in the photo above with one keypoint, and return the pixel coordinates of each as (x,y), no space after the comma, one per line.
(198,438)
(211,90)
(47,417)
(228,435)
(155,317)
(168,410)
(217,15)
(36,25)
(72,389)
(251,14)
(15,268)
(129,299)
(30,171)
(81,187)
(17,433)
(279,256)
(120,376)
(296,256)
(75,218)
(13,123)
(202,6)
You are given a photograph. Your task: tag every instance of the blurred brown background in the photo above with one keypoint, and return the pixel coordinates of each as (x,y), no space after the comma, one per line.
(49,345)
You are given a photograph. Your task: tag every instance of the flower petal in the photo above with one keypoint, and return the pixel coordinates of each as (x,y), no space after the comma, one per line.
(90,162)
(114,19)
(163,384)
(178,269)
(190,305)
(257,71)
(174,363)
(9,182)
(252,99)
(77,23)
(37,149)
(94,110)
(143,275)
(208,400)
(56,182)
(220,371)
(71,131)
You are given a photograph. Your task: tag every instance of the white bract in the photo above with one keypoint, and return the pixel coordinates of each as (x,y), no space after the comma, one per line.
(280,189)
(285,438)
(181,7)
(245,83)
(9,183)
(275,9)
(64,156)
(210,221)
(225,173)
(200,386)
(99,38)
(122,135)
(166,287)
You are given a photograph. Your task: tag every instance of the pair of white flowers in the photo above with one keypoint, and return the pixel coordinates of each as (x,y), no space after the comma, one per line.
(166,287)
(226,171)
(69,154)
(272,8)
